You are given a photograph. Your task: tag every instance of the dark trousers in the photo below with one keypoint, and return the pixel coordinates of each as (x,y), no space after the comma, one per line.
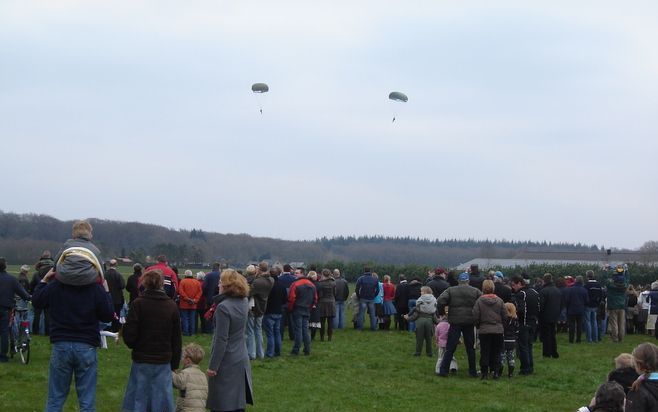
(329,324)
(491,345)
(402,323)
(38,315)
(4,333)
(115,322)
(575,327)
(453,339)
(549,342)
(201,325)
(526,338)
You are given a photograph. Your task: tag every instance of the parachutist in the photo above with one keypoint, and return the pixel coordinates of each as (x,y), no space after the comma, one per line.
(261,111)
(393,121)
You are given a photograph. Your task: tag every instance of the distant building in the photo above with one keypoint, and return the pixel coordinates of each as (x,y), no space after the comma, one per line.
(485,263)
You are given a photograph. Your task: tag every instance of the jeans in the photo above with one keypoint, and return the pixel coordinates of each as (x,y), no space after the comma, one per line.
(468,331)
(362,309)
(4,333)
(339,319)
(300,326)
(603,327)
(255,336)
(188,321)
(66,360)
(591,327)
(272,327)
(411,304)
(149,388)
(526,337)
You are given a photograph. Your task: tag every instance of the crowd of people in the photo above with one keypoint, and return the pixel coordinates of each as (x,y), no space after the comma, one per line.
(76,296)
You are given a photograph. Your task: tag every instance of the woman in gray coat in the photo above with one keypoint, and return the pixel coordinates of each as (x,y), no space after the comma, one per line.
(229,372)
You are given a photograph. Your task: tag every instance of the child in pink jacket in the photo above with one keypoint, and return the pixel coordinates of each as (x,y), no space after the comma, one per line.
(441,333)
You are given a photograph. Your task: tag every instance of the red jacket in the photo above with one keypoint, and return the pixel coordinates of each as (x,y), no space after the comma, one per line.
(189,291)
(389,291)
(302,295)
(166,271)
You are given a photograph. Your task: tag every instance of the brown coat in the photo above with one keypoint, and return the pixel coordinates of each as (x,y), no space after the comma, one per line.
(489,313)
(152,329)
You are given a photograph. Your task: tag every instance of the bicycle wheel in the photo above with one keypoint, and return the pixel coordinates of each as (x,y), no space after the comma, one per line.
(24,351)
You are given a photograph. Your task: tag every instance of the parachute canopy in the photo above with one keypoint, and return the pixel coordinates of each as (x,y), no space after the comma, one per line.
(260,88)
(398,97)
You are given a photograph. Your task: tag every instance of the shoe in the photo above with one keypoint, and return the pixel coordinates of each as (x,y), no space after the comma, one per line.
(294,353)
(453,371)
(510,371)
(556,355)
(417,354)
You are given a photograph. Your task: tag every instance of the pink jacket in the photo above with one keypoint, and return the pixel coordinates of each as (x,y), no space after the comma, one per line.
(442,333)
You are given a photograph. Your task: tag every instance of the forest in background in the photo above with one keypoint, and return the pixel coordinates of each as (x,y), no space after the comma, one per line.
(24,236)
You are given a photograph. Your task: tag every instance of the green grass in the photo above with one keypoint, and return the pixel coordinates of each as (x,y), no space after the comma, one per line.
(357,371)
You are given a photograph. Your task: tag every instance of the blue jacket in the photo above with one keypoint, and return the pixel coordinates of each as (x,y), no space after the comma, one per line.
(209,287)
(367,287)
(9,287)
(75,311)
(576,300)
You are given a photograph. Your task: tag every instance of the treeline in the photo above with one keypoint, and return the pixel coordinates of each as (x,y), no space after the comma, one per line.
(24,236)
(640,274)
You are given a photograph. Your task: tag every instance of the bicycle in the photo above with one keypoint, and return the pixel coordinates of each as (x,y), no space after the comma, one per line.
(19,334)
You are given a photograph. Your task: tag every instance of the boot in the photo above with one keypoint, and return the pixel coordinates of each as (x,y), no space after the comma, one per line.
(510,371)
(484,373)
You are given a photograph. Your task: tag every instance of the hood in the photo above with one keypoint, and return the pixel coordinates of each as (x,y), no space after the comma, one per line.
(489,299)
(155,294)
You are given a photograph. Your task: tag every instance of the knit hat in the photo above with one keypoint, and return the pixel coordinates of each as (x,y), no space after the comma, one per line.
(499,274)
(464,277)
(439,271)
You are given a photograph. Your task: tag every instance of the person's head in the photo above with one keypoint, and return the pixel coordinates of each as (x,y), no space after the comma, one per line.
(215,266)
(624,360)
(3,264)
(275,271)
(193,352)
(299,272)
(153,280)
(620,268)
(402,277)
(518,283)
(440,272)
(589,274)
(313,275)
(367,269)
(539,283)
(336,273)
(232,283)
(137,268)
(425,290)
(645,358)
(46,254)
(548,278)
(200,276)
(511,310)
(287,268)
(374,275)
(654,285)
(25,269)
(579,280)
(82,228)
(113,263)
(488,286)
(387,279)
(188,273)
(251,270)
(263,267)
(463,278)
(474,270)
(610,397)
(326,274)
(161,259)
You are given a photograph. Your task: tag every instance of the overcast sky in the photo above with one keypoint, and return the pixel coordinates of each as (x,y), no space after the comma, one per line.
(525,121)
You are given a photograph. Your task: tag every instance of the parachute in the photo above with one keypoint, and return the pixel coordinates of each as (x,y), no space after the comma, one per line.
(397,97)
(260,88)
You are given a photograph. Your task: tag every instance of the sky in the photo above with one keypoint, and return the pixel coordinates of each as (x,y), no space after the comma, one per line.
(525,120)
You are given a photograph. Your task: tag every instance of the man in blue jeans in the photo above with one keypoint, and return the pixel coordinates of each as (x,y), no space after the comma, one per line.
(301,298)
(367,288)
(75,312)
(8,287)
(342,293)
(594,298)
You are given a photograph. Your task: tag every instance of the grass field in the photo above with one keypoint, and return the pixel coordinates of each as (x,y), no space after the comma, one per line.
(357,371)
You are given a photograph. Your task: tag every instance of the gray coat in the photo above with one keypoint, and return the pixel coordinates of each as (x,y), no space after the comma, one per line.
(460,301)
(231,388)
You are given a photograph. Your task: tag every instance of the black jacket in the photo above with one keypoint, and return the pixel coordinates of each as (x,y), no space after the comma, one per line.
(527,306)
(503,291)
(594,293)
(401,298)
(413,290)
(277,298)
(551,303)
(9,286)
(116,284)
(645,399)
(438,285)
(623,376)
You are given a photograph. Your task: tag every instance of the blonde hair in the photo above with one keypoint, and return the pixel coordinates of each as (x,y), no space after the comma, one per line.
(511,310)
(233,284)
(426,290)
(251,270)
(313,275)
(193,352)
(624,360)
(82,228)
(488,286)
